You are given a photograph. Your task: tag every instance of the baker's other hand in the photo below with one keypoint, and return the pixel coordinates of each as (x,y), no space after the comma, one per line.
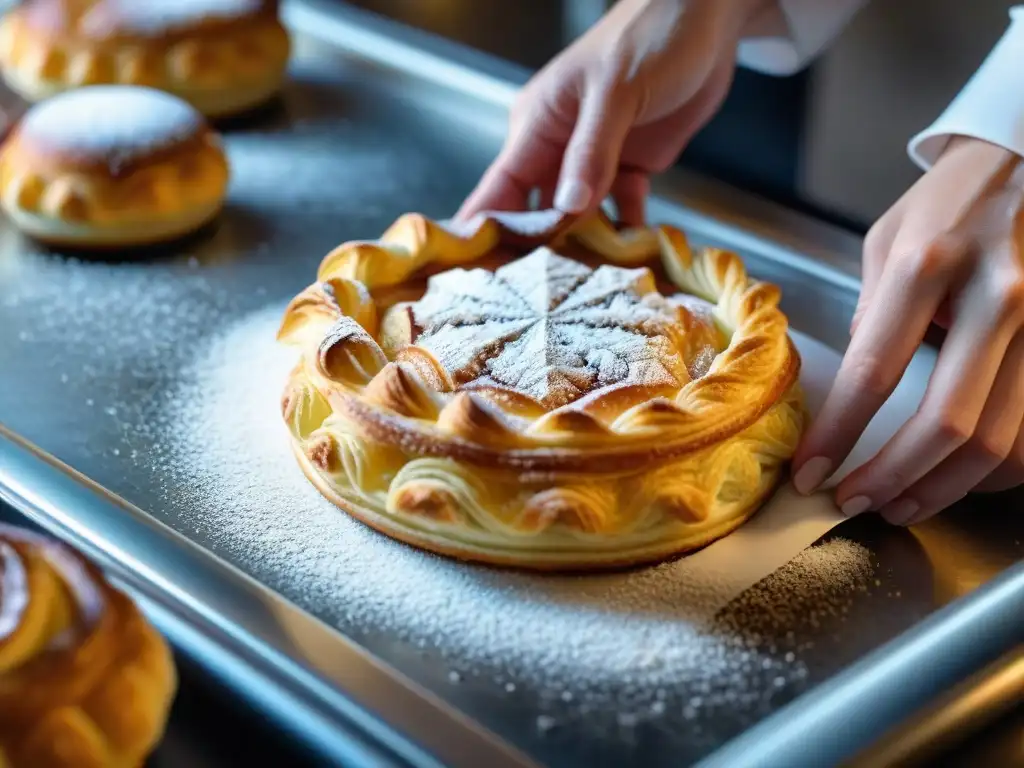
(616,106)
(950,250)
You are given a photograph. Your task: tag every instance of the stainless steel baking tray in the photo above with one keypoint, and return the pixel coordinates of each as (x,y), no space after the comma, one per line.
(77,384)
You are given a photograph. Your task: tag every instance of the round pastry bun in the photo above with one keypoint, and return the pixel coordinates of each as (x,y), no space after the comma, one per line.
(85,680)
(112,166)
(222,56)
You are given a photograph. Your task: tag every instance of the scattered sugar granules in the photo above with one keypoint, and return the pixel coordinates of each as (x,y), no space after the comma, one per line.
(582,644)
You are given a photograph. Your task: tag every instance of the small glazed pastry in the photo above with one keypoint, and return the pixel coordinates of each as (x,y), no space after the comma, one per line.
(608,398)
(112,166)
(222,56)
(85,681)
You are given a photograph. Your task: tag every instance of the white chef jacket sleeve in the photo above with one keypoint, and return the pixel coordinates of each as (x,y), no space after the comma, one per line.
(784,38)
(991,105)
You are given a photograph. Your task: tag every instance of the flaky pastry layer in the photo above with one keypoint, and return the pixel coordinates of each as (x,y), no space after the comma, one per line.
(62,202)
(84,679)
(220,67)
(571,522)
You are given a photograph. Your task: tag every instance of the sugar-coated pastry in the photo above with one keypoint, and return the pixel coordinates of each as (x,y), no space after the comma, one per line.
(85,681)
(110,166)
(222,56)
(541,391)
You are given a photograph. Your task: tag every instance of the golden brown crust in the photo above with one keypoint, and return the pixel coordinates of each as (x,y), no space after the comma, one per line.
(119,20)
(652,440)
(84,679)
(224,56)
(153,171)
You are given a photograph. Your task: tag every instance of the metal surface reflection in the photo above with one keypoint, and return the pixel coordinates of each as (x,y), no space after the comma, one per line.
(88,349)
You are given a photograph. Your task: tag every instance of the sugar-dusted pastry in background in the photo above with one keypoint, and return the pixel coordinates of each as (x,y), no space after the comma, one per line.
(84,679)
(222,56)
(110,166)
(542,391)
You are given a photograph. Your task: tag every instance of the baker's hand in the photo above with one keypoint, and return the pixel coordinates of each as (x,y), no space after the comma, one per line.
(951,249)
(616,106)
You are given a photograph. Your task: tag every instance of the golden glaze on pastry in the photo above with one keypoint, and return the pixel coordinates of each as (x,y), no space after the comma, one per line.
(112,166)
(85,681)
(222,56)
(610,397)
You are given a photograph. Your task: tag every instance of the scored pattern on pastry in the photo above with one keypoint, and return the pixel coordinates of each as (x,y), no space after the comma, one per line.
(545,327)
(84,679)
(550,411)
(402,391)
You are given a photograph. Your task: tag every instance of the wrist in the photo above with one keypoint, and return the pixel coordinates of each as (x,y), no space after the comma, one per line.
(975,168)
(986,156)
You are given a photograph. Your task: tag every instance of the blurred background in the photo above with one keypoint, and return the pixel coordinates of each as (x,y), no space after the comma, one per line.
(830,140)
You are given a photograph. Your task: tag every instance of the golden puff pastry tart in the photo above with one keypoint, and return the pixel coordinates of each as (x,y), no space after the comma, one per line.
(542,391)
(222,56)
(85,681)
(110,166)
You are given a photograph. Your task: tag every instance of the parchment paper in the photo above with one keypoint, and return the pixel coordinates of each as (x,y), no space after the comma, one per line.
(790,523)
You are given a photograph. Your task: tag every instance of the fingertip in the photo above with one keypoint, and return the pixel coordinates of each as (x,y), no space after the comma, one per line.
(920,517)
(466,212)
(901,511)
(855,506)
(573,195)
(493,193)
(629,191)
(812,445)
(809,476)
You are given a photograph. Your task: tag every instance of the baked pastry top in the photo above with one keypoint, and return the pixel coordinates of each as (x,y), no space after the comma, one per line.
(606,397)
(223,56)
(84,679)
(109,165)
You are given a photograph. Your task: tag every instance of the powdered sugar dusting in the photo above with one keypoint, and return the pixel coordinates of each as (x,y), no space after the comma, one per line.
(549,328)
(112,123)
(526,225)
(161,16)
(633,646)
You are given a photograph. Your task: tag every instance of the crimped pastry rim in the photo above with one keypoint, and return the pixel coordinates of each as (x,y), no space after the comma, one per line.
(412,243)
(526,559)
(622,456)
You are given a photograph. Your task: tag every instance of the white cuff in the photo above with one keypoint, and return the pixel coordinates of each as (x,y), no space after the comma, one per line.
(785,38)
(991,105)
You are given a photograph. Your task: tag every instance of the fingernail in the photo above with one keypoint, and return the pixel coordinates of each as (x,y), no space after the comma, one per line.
(901,512)
(921,516)
(573,196)
(811,475)
(858,505)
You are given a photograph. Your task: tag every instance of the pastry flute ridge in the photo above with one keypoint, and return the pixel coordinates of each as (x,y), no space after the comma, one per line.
(610,398)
